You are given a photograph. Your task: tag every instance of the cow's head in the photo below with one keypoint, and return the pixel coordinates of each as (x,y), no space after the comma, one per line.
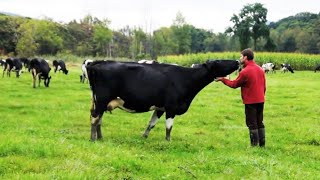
(221,68)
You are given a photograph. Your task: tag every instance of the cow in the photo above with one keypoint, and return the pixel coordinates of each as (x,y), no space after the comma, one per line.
(84,74)
(317,68)
(162,88)
(12,64)
(269,67)
(60,66)
(286,67)
(40,68)
(26,63)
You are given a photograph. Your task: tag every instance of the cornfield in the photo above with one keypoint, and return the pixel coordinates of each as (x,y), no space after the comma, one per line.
(297,60)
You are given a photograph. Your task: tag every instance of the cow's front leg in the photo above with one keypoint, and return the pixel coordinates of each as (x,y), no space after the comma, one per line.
(153,121)
(95,127)
(169,124)
(99,132)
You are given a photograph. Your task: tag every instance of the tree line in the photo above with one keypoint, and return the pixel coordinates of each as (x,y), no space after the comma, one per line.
(92,36)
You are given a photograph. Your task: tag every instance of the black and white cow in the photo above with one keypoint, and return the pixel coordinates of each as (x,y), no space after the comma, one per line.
(286,67)
(163,88)
(269,67)
(317,68)
(60,66)
(84,74)
(26,63)
(12,64)
(40,69)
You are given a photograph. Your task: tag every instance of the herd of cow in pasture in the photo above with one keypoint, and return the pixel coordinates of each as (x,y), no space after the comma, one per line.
(38,67)
(142,86)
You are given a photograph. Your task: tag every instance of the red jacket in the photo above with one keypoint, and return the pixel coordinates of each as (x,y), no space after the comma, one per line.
(252,82)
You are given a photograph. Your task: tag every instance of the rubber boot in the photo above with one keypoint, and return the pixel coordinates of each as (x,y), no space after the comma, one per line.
(254,137)
(262,137)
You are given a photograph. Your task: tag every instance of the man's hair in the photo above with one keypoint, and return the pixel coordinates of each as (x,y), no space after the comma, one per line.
(249,53)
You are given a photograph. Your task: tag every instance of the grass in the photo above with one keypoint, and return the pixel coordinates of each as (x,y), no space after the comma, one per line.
(45,134)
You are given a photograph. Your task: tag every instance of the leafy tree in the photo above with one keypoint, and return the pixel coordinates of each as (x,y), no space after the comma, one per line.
(102,37)
(8,33)
(182,34)
(163,43)
(251,22)
(27,45)
(139,38)
(198,37)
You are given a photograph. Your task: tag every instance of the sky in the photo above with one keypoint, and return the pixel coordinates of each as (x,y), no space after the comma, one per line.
(150,15)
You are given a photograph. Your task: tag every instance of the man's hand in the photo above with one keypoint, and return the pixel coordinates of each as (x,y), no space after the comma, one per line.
(218,79)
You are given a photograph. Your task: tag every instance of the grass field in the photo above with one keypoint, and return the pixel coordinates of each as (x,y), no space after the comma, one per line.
(44,134)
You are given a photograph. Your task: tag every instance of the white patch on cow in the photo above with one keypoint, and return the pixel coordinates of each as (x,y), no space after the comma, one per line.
(59,68)
(169,123)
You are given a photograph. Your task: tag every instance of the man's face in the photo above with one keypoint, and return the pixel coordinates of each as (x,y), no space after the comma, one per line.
(242,59)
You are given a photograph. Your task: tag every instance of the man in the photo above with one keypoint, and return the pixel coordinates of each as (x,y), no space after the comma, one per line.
(253,87)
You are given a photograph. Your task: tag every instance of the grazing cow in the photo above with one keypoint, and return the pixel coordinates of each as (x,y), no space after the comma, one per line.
(12,64)
(269,67)
(138,88)
(40,68)
(148,61)
(60,65)
(317,68)
(84,74)
(26,63)
(286,67)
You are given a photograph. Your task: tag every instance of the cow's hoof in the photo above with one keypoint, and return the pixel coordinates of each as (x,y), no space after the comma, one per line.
(168,138)
(145,136)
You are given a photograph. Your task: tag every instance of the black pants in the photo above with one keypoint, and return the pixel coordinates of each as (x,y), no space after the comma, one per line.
(254,115)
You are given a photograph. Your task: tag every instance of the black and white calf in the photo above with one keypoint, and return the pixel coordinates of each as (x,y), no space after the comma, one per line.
(269,67)
(60,66)
(84,74)
(162,88)
(317,68)
(12,64)
(286,67)
(40,69)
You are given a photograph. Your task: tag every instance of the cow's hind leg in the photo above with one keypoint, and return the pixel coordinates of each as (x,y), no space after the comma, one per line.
(169,124)
(154,119)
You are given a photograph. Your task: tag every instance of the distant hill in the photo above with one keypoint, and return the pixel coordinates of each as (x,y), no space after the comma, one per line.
(9,14)
(302,20)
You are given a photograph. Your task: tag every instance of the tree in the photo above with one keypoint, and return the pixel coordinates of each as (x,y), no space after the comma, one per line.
(163,43)
(102,37)
(251,22)
(8,33)
(182,34)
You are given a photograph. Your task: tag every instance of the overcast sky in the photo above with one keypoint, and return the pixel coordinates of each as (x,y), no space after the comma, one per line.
(151,14)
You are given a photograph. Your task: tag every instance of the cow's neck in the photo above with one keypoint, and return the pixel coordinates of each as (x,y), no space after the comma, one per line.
(200,79)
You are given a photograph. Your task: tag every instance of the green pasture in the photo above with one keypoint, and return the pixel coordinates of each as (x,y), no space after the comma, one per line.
(44,134)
